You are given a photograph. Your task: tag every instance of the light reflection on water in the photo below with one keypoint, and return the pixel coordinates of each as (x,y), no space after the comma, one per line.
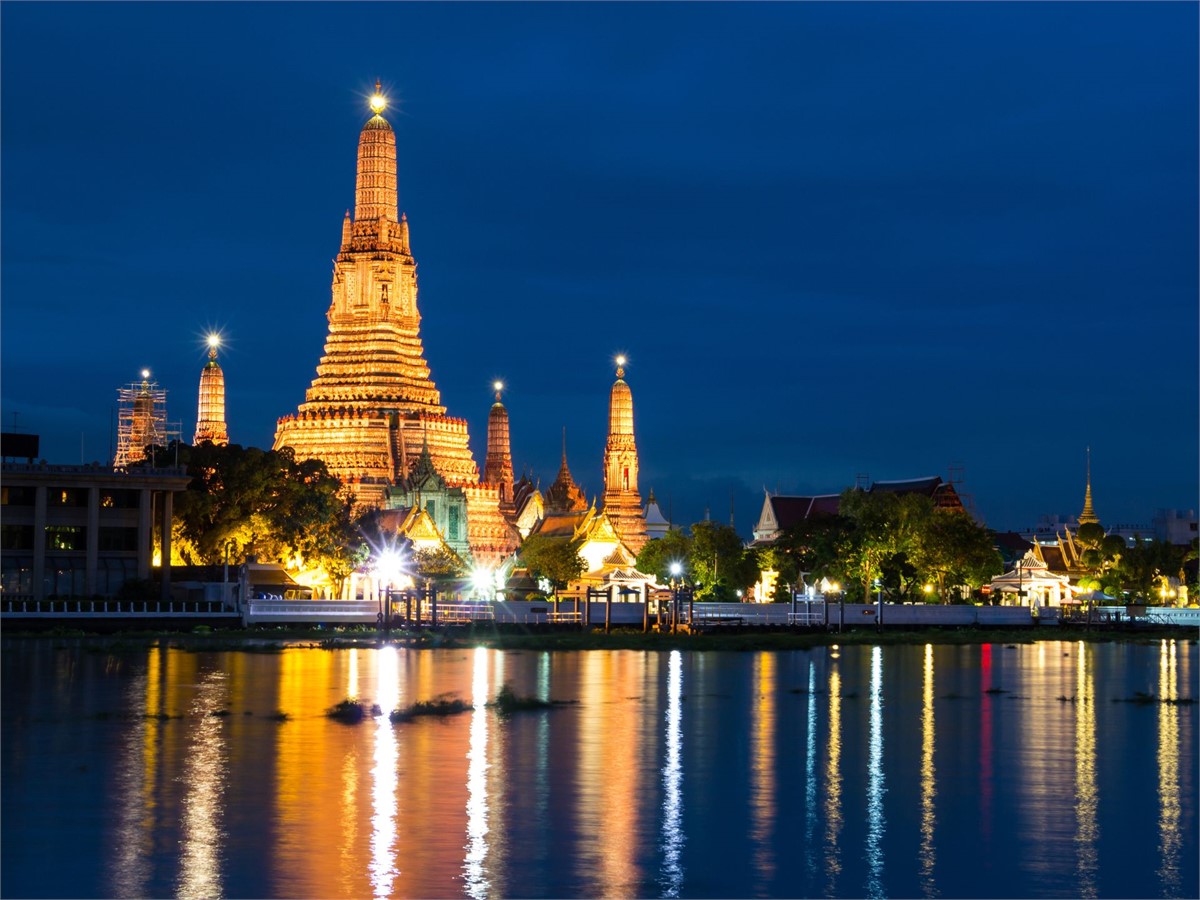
(680,774)
(876,824)
(927,854)
(384,777)
(1170,796)
(672,779)
(1087,792)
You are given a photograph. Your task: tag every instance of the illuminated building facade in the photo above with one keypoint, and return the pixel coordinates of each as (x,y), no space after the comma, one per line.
(622,502)
(210,410)
(373,406)
(141,420)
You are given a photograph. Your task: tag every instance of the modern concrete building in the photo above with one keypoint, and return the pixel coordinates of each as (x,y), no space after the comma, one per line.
(83,531)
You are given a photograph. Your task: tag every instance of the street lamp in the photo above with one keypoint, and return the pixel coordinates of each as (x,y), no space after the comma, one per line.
(676,569)
(388,569)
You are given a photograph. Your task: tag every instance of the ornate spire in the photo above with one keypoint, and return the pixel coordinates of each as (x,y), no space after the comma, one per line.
(565,495)
(210,410)
(497,467)
(375,186)
(1088,516)
(622,502)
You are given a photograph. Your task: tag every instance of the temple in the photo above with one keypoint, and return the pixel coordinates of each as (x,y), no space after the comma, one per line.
(373,410)
(622,502)
(210,410)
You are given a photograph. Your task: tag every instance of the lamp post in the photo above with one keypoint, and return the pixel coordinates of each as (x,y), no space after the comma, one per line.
(676,571)
(879,605)
(388,568)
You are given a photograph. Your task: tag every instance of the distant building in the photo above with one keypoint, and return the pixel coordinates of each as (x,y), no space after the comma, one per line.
(83,531)
(780,512)
(1175,526)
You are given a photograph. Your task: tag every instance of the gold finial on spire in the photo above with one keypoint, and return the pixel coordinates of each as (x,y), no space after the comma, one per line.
(378,102)
(214,341)
(497,386)
(621,366)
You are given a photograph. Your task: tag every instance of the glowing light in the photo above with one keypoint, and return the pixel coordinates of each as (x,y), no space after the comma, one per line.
(676,569)
(620,360)
(498,385)
(145,373)
(484,580)
(214,340)
(928,589)
(378,103)
(389,566)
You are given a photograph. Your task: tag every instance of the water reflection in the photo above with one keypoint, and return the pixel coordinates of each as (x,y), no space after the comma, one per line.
(1087,794)
(762,769)
(1170,808)
(672,780)
(384,775)
(136,780)
(833,780)
(591,799)
(928,785)
(875,787)
(477,884)
(204,801)
(810,776)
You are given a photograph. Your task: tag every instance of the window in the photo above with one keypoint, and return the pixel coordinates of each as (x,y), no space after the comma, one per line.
(118,539)
(17,495)
(66,537)
(67,496)
(453,529)
(117,498)
(16,537)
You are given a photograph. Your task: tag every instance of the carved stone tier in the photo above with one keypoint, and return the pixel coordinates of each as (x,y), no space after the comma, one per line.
(491,536)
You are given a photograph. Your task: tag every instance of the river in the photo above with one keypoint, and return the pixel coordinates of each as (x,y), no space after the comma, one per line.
(1049,769)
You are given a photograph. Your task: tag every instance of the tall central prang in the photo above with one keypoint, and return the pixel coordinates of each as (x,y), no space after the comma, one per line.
(373,409)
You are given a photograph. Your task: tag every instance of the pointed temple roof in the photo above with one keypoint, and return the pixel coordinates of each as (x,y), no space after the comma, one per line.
(564,495)
(1088,516)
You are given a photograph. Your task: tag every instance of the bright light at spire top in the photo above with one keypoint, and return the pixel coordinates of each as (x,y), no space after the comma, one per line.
(620,360)
(214,340)
(498,385)
(378,101)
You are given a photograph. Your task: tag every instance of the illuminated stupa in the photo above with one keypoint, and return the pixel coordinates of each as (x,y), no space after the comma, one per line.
(373,407)
(497,466)
(622,502)
(210,410)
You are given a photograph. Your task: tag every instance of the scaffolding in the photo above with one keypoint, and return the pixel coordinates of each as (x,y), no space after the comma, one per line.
(141,421)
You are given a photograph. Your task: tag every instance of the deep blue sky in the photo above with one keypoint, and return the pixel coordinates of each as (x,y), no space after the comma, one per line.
(832,239)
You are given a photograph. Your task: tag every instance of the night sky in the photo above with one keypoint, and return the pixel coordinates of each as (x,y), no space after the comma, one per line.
(832,239)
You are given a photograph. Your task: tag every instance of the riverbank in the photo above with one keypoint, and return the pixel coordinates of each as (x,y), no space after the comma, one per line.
(268,640)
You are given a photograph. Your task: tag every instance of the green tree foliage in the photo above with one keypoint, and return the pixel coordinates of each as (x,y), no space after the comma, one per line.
(952,547)
(719,562)
(657,555)
(243,501)
(439,563)
(817,547)
(556,560)
(883,524)
(1142,566)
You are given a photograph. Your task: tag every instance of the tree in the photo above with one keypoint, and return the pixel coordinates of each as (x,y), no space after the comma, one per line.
(883,524)
(719,562)
(952,546)
(1147,561)
(243,501)
(657,555)
(816,546)
(556,560)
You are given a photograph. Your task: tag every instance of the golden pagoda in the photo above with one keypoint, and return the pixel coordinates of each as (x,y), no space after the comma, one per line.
(373,406)
(1088,516)
(622,502)
(210,410)
(497,466)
